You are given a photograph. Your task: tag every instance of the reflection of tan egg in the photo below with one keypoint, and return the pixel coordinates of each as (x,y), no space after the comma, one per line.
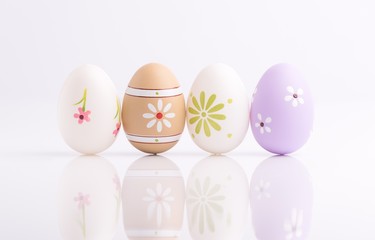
(153,199)
(153,109)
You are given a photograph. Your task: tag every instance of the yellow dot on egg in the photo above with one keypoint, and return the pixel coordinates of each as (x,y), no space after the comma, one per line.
(191,94)
(229,135)
(192,135)
(230,100)
(156,140)
(157,93)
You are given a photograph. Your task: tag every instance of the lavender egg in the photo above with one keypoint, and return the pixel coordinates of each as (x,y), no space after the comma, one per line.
(281,199)
(282,112)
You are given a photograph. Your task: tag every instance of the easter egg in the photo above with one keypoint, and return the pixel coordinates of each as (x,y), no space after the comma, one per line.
(217,199)
(282,111)
(218,109)
(153,109)
(153,199)
(281,199)
(89,110)
(89,199)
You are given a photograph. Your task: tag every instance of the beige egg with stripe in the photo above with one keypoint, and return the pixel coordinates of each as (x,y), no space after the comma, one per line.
(153,197)
(153,112)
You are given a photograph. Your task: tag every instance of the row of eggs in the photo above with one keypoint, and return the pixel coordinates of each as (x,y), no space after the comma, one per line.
(153,111)
(154,198)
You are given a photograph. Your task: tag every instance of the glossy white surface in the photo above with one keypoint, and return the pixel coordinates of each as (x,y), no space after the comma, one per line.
(337,157)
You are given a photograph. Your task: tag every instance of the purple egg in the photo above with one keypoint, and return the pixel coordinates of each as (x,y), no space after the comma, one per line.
(282,112)
(281,199)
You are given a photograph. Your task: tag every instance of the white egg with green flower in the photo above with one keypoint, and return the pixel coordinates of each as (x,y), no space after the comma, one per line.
(217,109)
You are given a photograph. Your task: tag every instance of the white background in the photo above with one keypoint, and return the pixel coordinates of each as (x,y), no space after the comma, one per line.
(332,42)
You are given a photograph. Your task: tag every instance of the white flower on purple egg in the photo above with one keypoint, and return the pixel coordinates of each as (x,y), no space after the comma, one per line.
(293,226)
(295,96)
(262,189)
(262,124)
(159,115)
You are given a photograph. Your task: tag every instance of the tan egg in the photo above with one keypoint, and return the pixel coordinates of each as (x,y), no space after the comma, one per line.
(153,198)
(153,112)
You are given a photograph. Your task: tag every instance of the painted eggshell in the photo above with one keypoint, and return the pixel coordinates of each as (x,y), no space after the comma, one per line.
(282,110)
(281,199)
(217,199)
(89,110)
(153,199)
(218,109)
(153,109)
(89,199)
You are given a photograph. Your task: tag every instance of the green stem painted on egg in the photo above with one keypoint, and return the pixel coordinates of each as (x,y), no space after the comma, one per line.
(118,110)
(83,100)
(83,222)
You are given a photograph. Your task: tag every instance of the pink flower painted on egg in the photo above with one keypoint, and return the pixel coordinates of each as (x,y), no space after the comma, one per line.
(117,130)
(83,200)
(117,183)
(118,125)
(82,115)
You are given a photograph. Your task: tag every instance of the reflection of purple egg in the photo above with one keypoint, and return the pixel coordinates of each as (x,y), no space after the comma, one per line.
(281,199)
(281,115)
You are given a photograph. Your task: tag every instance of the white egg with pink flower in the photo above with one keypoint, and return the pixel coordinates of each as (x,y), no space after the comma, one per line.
(88,199)
(89,110)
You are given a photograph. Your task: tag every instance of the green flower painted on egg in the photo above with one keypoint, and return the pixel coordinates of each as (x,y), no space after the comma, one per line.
(206,114)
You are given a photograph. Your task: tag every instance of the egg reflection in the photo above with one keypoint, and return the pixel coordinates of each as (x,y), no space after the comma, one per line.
(89,199)
(281,199)
(217,199)
(154,197)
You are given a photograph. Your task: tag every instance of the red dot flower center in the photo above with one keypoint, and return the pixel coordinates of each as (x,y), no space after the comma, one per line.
(159,115)
(295,95)
(262,124)
(81,117)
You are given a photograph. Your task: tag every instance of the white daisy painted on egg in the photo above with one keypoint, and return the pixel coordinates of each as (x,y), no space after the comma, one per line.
(295,96)
(262,124)
(293,226)
(159,200)
(262,189)
(159,115)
